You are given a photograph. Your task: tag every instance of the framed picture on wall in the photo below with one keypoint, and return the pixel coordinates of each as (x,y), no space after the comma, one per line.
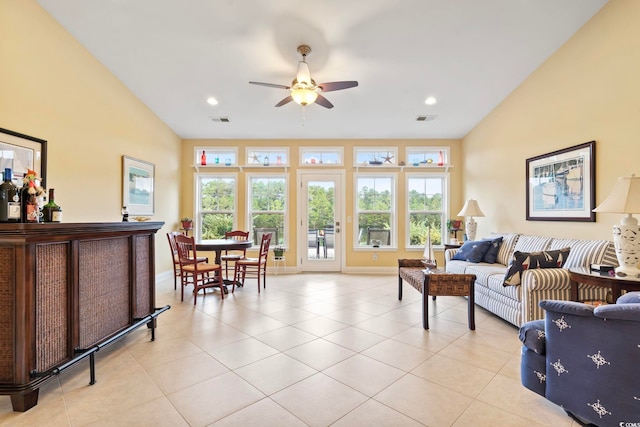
(21,153)
(561,185)
(138,186)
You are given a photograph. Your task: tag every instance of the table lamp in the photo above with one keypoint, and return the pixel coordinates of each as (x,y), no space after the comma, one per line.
(471,209)
(625,199)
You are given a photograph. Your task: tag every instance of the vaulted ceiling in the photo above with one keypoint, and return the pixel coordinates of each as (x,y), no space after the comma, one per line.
(468,54)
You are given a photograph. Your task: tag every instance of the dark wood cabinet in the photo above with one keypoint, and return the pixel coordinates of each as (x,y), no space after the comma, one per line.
(65,288)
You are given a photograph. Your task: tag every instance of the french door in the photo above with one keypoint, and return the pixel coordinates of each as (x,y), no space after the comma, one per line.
(320,225)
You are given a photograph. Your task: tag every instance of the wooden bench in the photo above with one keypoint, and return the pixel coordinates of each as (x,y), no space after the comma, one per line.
(436,283)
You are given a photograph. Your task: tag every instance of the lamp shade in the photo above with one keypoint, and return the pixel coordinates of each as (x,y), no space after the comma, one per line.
(470,208)
(624,198)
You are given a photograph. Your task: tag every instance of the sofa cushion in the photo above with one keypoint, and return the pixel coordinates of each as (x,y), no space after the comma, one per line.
(528,243)
(525,260)
(492,253)
(472,251)
(583,252)
(506,248)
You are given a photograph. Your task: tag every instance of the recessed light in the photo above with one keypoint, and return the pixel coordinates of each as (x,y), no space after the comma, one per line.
(212,101)
(430,100)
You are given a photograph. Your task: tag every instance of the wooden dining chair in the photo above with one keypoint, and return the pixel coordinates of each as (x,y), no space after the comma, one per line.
(254,267)
(171,236)
(201,274)
(232,256)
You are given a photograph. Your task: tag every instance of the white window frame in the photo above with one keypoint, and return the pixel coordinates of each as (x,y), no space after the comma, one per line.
(337,151)
(393,243)
(271,152)
(445,176)
(222,153)
(430,156)
(197,198)
(375,153)
(249,214)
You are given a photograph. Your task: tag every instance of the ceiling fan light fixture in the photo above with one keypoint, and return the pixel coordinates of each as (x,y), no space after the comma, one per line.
(304,96)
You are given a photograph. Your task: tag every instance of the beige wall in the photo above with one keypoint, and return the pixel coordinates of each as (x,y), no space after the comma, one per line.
(53,89)
(588,90)
(353,259)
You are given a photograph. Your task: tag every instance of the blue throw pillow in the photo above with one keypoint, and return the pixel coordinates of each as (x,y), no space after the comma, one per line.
(492,253)
(472,251)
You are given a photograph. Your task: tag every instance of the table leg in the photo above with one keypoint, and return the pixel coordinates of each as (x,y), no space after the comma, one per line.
(472,306)
(574,290)
(425,303)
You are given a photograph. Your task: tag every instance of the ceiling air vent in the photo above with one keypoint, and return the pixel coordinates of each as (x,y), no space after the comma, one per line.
(427,118)
(221,119)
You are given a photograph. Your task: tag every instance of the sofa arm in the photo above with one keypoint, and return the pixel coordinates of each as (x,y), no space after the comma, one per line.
(532,336)
(449,253)
(410,263)
(538,279)
(629,298)
(619,312)
(568,307)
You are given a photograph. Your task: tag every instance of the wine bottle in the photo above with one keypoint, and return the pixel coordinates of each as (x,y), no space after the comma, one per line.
(28,203)
(9,199)
(203,158)
(51,211)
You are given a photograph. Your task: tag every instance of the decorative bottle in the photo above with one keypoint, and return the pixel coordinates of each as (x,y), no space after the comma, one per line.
(29,203)
(440,159)
(203,158)
(9,199)
(51,211)
(125,214)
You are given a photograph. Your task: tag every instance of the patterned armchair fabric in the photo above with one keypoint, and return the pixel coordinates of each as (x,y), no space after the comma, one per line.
(586,359)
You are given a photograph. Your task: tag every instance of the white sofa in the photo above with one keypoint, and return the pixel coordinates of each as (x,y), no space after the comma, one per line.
(519,304)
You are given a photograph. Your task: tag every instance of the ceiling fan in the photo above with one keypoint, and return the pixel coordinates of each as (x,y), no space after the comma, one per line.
(303,89)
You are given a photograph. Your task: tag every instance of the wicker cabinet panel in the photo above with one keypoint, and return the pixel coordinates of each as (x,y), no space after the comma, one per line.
(143,277)
(52,309)
(103,286)
(7,312)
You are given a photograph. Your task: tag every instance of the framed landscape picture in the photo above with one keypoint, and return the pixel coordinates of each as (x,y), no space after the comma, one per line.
(560,185)
(138,186)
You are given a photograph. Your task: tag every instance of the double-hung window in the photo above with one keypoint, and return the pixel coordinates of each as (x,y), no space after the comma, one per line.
(216,204)
(267,206)
(375,210)
(426,207)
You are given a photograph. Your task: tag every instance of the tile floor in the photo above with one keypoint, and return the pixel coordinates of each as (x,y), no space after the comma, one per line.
(310,350)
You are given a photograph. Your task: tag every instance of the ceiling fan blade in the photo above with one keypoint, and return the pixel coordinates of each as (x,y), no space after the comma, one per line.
(321,100)
(328,87)
(287,100)
(270,85)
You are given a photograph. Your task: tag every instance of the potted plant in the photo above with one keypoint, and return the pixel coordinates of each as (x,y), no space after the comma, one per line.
(187,223)
(278,251)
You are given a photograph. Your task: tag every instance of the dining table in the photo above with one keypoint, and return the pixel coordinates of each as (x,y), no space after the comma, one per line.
(219,245)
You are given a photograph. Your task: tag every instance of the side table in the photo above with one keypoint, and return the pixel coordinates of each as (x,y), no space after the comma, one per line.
(594,278)
(277,260)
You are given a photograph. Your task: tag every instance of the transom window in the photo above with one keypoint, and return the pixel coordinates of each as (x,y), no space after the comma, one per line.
(215,205)
(375,213)
(426,203)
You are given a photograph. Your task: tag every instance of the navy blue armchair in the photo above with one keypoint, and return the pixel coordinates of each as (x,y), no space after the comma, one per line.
(586,359)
